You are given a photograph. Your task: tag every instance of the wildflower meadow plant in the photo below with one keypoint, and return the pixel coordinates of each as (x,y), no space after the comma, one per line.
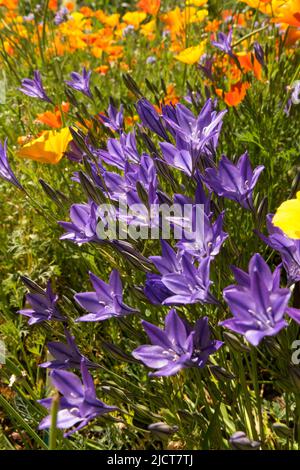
(156,157)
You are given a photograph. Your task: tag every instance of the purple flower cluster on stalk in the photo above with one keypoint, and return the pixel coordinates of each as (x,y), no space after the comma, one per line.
(233,181)
(183,280)
(106,301)
(81,82)
(257,302)
(78,405)
(177,346)
(34,87)
(197,135)
(43,306)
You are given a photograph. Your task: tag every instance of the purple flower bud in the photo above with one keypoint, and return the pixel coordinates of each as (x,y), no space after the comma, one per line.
(239,441)
(6,172)
(259,53)
(34,88)
(81,82)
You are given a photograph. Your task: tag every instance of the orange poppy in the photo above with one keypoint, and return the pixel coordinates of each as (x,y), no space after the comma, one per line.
(51,119)
(102,69)
(149,6)
(235,95)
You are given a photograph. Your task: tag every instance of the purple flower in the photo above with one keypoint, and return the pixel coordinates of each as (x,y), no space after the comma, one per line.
(151,59)
(119,151)
(34,88)
(180,159)
(207,243)
(259,53)
(235,182)
(43,306)
(114,119)
(197,134)
(288,249)
(224,43)
(257,303)
(155,290)
(29,17)
(66,356)
(83,227)
(106,301)
(206,66)
(74,153)
(177,346)
(6,172)
(81,82)
(150,118)
(187,282)
(61,16)
(78,404)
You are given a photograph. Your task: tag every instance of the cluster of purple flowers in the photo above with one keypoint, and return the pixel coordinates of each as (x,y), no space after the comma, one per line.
(181,275)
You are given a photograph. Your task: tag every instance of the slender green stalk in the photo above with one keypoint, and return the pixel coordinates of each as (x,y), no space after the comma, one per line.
(53,428)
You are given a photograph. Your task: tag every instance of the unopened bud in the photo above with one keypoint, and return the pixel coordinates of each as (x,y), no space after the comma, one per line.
(240,441)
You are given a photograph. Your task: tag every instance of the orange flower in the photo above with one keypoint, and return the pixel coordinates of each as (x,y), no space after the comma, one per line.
(87,12)
(245,60)
(49,147)
(9,4)
(53,4)
(293,35)
(102,69)
(51,119)
(149,6)
(212,26)
(129,120)
(70,6)
(288,13)
(235,95)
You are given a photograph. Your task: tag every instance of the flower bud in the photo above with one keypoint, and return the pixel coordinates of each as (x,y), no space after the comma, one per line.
(234,342)
(162,430)
(239,441)
(282,430)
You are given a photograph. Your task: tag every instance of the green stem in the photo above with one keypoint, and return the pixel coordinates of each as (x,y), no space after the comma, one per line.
(246,397)
(53,428)
(257,393)
(249,35)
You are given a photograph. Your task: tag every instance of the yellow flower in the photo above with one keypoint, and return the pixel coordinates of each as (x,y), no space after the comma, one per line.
(134,18)
(196,3)
(191,55)
(287,217)
(48,148)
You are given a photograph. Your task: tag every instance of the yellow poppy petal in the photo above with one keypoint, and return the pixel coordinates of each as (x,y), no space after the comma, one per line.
(191,55)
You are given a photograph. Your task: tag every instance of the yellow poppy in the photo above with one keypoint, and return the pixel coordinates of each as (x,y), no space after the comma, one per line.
(48,148)
(134,18)
(191,55)
(287,217)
